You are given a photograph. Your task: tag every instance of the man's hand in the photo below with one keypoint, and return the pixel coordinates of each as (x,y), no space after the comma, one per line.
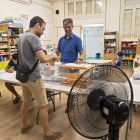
(10,71)
(54,56)
(78,61)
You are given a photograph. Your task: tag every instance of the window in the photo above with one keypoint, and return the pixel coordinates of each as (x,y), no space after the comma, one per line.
(89,7)
(79,8)
(132,2)
(127,23)
(84,7)
(137,24)
(98,7)
(71,9)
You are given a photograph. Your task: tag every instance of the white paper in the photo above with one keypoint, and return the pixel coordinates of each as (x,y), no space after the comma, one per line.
(2,71)
(72,64)
(26,24)
(7,75)
(87,65)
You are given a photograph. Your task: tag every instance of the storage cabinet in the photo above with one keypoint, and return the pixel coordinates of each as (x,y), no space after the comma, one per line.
(110,57)
(110,46)
(129,49)
(9,46)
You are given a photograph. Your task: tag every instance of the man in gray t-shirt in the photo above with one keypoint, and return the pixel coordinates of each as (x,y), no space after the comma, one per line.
(27,53)
(29,50)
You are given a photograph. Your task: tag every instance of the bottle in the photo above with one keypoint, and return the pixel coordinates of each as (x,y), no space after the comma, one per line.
(4,58)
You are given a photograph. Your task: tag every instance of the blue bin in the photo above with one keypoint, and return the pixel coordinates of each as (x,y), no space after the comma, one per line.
(118,64)
(97,55)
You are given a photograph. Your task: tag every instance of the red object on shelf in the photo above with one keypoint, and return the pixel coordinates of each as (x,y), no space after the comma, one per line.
(1,52)
(124,44)
(129,44)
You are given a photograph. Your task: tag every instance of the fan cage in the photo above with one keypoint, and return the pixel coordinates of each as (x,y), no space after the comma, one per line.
(110,79)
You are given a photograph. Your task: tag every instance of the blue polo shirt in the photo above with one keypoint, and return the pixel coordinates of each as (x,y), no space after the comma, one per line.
(69,48)
(11,64)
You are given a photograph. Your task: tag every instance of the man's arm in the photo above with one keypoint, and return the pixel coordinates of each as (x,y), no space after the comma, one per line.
(57,52)
(81,57)
(7,69)
(45,58)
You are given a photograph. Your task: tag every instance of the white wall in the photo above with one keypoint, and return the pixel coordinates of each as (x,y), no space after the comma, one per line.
(58,19)
(10,8)
(111,22)
(113,15)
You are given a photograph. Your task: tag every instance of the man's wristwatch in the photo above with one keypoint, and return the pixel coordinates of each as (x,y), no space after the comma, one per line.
(80,59)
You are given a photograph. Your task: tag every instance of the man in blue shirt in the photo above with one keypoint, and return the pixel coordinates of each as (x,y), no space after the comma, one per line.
(10,87)
(69,46)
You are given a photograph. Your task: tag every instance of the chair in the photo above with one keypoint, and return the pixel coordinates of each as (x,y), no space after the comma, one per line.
(49,97)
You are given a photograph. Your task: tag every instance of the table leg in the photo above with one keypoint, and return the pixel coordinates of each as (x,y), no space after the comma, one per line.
(110,68)
(0,94)
(53,98)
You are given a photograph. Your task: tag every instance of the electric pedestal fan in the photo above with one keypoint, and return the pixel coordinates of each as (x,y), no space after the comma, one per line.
(100,102)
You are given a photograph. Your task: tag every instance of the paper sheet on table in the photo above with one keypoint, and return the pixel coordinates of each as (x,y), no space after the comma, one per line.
(1,71)
(72,64)
(8,75)
(85,65)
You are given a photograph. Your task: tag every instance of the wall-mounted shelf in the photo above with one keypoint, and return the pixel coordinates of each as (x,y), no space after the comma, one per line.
(110,46)
(14,35)
(110,38)
(13,44)
(4,54)
(130,53)
(4,48)
(129,47)
(3,41)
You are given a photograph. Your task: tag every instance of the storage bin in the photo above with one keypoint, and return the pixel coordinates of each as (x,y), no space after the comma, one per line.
(97,55)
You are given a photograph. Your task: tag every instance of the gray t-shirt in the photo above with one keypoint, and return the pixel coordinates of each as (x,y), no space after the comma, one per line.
(28,44)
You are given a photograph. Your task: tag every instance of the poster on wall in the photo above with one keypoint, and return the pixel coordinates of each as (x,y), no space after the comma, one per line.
(26,22)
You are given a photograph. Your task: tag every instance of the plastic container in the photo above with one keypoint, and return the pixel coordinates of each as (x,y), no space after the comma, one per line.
(118,64)
(97,55)
(1,58)
(4,58)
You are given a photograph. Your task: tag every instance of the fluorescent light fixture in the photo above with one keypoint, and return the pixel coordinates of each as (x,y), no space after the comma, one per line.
(93,25)
(27,2)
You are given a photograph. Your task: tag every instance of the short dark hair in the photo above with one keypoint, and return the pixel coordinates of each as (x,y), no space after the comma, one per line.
(15,56)
(36,20)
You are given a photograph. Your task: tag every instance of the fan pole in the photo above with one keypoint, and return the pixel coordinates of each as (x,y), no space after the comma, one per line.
(113,132)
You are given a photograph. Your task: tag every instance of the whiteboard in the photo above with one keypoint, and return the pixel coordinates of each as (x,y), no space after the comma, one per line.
(47,33)
(94,41)
(76,30)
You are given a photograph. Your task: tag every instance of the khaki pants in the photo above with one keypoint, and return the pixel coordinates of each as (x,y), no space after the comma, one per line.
(35,89)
